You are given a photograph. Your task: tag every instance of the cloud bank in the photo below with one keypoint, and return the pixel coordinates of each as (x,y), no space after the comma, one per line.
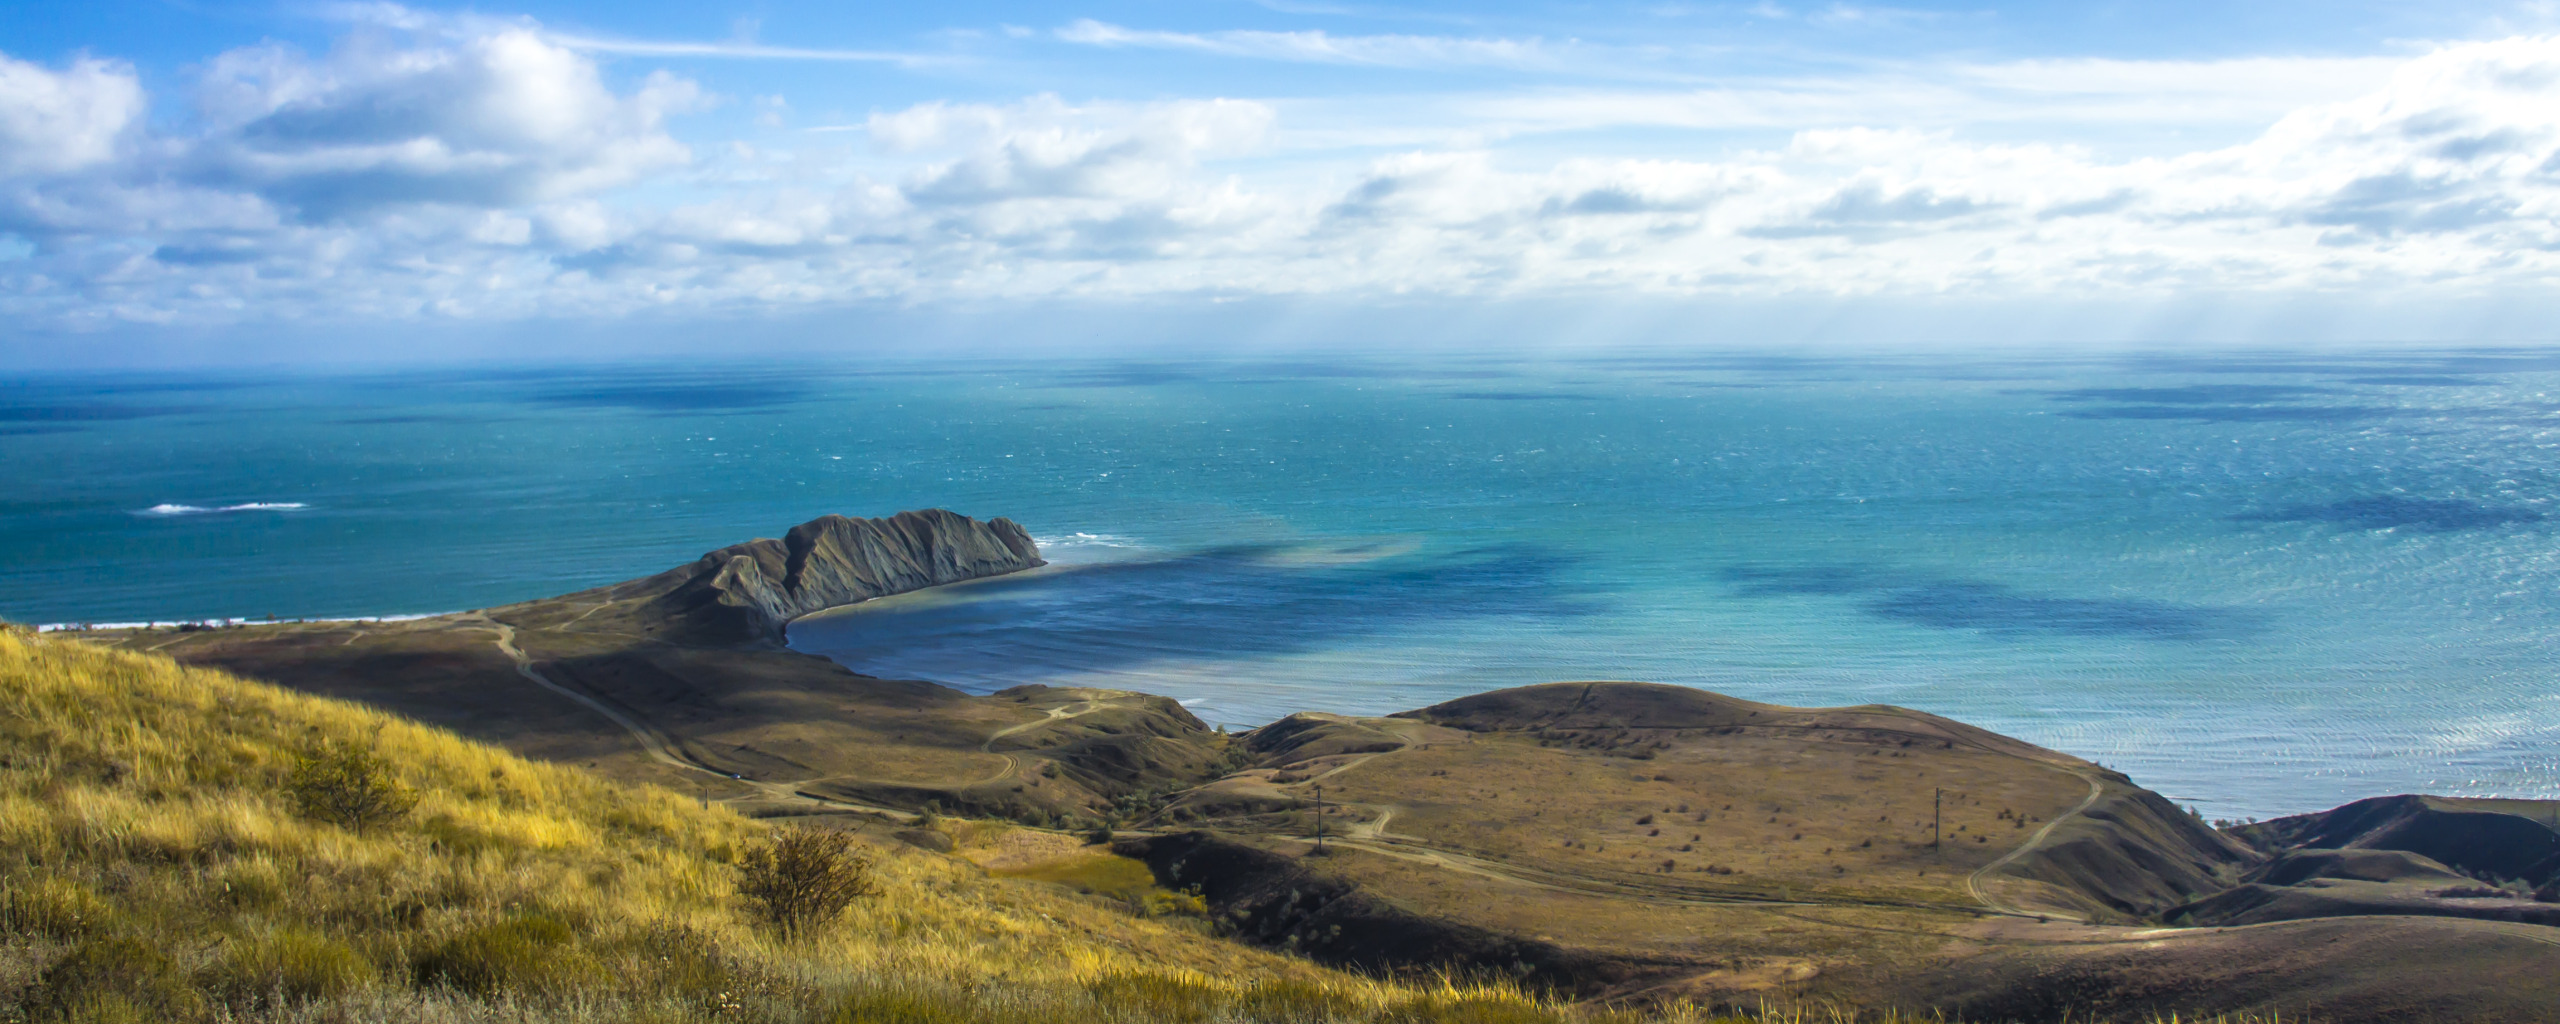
(492,171)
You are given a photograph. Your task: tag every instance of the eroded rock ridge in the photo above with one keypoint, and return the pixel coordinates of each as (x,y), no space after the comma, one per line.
(750,591)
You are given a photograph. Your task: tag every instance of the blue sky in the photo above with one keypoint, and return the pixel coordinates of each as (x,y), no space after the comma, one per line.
(184,181)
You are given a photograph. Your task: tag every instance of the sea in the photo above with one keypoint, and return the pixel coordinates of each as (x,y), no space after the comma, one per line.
(2261,583)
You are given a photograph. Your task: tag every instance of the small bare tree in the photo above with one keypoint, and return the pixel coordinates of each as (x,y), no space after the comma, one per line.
(348,786)
(805,877)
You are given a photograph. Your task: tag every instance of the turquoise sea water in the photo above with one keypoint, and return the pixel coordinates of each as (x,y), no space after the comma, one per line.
(2259,584)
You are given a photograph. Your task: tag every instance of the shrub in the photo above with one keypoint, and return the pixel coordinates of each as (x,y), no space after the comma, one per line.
(348,786)
(113,980)
(289,965)
(1163,903)
(805,877)
(527,954)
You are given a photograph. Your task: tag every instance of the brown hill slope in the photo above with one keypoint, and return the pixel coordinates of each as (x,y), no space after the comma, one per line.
(2493,840)
(1637,840)
(2496,860)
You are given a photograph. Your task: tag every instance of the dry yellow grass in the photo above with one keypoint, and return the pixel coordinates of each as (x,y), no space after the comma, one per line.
(152,868)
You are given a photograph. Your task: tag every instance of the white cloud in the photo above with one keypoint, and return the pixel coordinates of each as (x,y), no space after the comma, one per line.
(736,51)
(53,122)
(1323,48)
(502,119)
(1044,148)
(472,175)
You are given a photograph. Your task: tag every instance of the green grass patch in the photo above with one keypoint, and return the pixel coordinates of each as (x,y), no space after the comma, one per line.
(1102,874)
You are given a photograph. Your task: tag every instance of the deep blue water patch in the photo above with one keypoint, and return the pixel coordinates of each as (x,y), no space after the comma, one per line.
(1124,375)
(407,419)
(1999,611)
(2386,512)
(1220,603)
(2193,394)
(87,412)
(2236,413)
(674,396)
(1779,581)
(1991,608)
(2420,381)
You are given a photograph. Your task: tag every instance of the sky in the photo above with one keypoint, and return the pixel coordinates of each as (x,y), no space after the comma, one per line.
(207,181)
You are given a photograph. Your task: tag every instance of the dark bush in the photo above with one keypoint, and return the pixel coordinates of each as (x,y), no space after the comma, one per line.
(348,786)
(804,878)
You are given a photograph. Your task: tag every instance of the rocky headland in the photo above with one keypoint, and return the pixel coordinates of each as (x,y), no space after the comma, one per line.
(748,593)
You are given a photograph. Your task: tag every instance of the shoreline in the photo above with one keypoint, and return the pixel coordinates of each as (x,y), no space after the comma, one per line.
(81,627)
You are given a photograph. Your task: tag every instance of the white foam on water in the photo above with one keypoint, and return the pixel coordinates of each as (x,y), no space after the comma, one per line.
(1086,540)
(1085,548)
(57,627)
(206,510)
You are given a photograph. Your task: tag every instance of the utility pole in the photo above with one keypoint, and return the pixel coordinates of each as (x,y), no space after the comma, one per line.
(1319,819)
(1937,804)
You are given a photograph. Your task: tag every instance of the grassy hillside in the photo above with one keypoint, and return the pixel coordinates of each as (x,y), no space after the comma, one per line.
(152,868)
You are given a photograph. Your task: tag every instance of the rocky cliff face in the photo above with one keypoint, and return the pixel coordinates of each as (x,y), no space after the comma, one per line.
(748,592)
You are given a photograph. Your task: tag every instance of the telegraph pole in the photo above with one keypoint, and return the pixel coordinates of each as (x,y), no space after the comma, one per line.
(1937,805)
(1319,819)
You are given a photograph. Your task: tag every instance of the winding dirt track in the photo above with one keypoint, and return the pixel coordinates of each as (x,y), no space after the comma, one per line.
(1012,764)
(1973,882)
(659,746)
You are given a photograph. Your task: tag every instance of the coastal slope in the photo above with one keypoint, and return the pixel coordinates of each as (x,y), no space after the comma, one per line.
(156,866)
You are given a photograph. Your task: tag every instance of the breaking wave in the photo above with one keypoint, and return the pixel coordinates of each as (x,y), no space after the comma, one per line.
(207,510)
